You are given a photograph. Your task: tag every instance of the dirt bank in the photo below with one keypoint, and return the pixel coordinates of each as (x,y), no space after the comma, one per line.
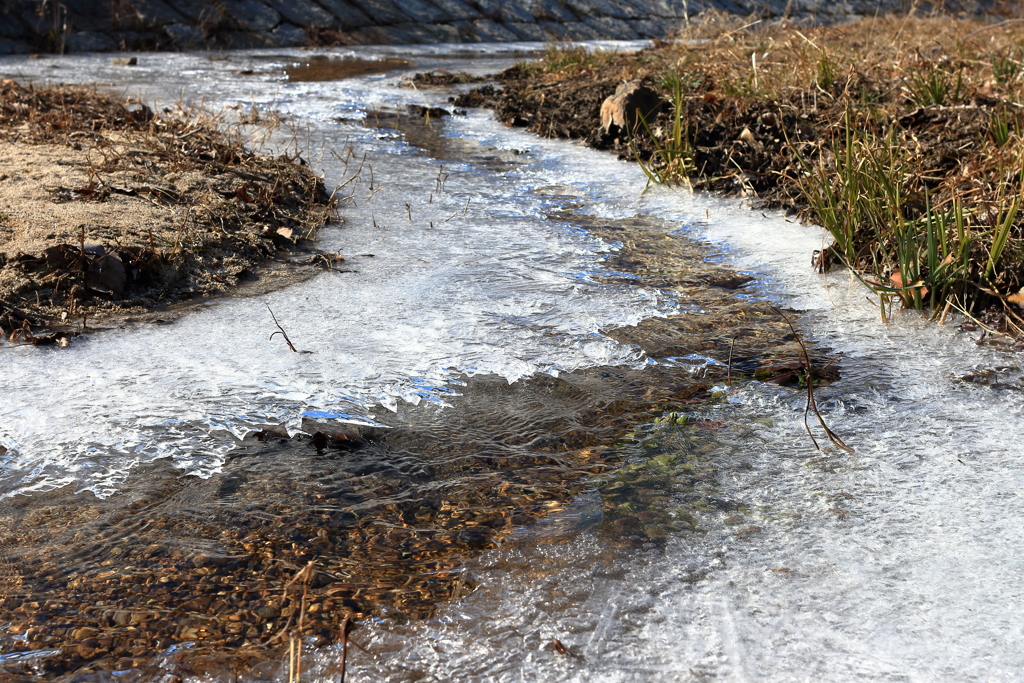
(902,136)
(109,208)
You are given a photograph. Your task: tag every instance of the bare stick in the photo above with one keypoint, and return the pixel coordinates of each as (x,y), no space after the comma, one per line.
(354,176)
(811,405)
(437,181)
(1005,22)
(280,330)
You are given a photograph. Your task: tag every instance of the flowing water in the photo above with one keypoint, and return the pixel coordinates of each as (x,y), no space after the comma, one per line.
(492,374)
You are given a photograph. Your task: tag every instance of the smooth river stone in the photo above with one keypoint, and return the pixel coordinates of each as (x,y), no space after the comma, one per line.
(529,32)
(595,8)
(549,9)
(515,11)
(495,31)
(383,11)
(616,29)
(457,9)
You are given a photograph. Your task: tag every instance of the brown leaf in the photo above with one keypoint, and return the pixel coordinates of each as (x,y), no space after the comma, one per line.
(1017,298)
(896,279)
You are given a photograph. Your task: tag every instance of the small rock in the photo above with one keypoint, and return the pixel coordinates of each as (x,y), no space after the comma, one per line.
(84,633)
(619,112)
(125,61)
(287,35)
(121,617)
(107,274)
(268,612)
(421,112)
(87,648)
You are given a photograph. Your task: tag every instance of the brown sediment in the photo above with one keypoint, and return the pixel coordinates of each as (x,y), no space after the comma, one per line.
(324,68)
(940,94)
(107,208)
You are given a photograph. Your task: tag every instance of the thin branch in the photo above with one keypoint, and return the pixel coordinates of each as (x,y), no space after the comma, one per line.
(1005,22)
(811,405)
(280,330)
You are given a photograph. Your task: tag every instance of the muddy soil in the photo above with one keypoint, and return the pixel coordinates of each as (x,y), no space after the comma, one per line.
(569,107)
(108,208)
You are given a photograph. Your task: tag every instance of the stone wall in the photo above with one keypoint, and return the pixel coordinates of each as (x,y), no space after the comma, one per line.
(111,25)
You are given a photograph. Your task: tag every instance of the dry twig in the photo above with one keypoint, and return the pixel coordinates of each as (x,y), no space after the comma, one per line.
(280,331)
(811,405)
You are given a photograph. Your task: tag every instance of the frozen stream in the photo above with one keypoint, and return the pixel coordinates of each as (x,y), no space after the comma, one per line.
(900,562)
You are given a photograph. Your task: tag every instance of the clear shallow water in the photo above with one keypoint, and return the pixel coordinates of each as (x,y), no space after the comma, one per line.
(899,562)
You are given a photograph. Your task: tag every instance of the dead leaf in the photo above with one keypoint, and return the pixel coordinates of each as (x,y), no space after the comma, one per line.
(908,297)
(1017,298)
(987,89)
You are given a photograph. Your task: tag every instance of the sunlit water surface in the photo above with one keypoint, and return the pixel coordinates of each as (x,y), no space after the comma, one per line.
(899,562)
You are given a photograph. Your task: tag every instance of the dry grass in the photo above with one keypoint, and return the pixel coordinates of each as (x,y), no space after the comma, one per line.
(902,134)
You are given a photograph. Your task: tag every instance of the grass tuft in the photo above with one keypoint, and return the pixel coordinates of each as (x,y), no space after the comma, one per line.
(933,84)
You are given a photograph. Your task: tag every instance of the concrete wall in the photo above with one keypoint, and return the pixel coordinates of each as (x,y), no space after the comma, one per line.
(111,25)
